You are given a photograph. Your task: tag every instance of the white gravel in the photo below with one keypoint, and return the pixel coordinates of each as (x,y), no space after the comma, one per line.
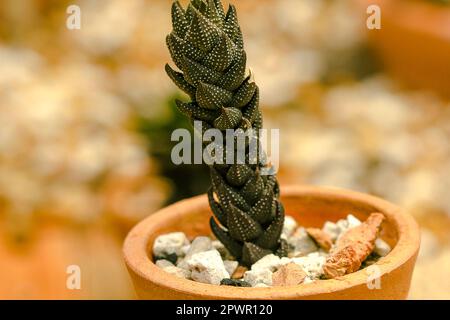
(170,243)
(207,261)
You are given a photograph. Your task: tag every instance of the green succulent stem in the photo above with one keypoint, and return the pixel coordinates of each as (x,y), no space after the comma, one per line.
(207,47)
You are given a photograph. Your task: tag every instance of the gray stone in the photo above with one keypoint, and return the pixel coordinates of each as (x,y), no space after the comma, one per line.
(181,263)
(381,248)
(207,267)
(312,264)
(230,266)
(289,227)
(352,221)
(261,285)
(332,230)
(163,263)
(270,262)
(301,243)
(170,243)
(342,225)
(234,283)
(259,276)
(199,244)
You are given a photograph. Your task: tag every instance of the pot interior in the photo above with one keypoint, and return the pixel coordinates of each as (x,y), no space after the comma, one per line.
(308,210)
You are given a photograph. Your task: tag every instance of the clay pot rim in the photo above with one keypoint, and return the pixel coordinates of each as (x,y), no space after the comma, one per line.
(137,259)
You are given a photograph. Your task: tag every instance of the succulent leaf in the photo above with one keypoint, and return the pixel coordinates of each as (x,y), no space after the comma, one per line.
(283,249)
(253,189)
(252,253)
(228,197)
(178,79)
(270,237)
(251,111)
(202,33)
(204,114)
(272,184)
(232,28)
(244,94)
(183,48)
(200,5)
(264,208)
(229,119)
(212,97)
(185,108)
(215,208)
(179,22)
(222,55)
(195,73)
(234,75)
(190,13)
(175,53)
(238,174)
(241,226)
(213,14)
(219,8)
(258,123)
(232,245)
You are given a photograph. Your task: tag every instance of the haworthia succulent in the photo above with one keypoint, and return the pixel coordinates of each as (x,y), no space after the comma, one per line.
(230,118)
(207,47)
(216,209)
(212,97)
(238,174)
(252,253)
(241,226)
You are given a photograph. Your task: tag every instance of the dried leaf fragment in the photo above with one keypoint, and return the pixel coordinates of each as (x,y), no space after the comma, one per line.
(288,275)
(239,272)
(353,247)
(321,238)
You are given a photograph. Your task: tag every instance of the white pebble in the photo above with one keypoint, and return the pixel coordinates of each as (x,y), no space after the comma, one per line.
(353,221)
(216,244)
(163,263)
(302,243)
(270,262)
(207,267)
(170,243)
(289,227)
(312,264)
(185,249)
(259,276)
(308,280)
(181,263)
(181,273)
(381,247)
(332,230)
(199,244)
(230,266)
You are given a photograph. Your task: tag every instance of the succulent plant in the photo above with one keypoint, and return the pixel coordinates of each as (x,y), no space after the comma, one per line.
(207,46)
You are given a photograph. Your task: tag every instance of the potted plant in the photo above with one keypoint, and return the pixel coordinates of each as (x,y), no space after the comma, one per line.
(243,208)
(414,41)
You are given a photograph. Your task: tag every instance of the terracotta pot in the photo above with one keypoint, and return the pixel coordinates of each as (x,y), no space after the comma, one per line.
(414,41)
(310,206)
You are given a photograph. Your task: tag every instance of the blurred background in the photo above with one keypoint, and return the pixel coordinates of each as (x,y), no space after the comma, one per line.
(86,117)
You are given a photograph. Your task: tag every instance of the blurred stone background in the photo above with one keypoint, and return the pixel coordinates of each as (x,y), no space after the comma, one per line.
(86,117)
